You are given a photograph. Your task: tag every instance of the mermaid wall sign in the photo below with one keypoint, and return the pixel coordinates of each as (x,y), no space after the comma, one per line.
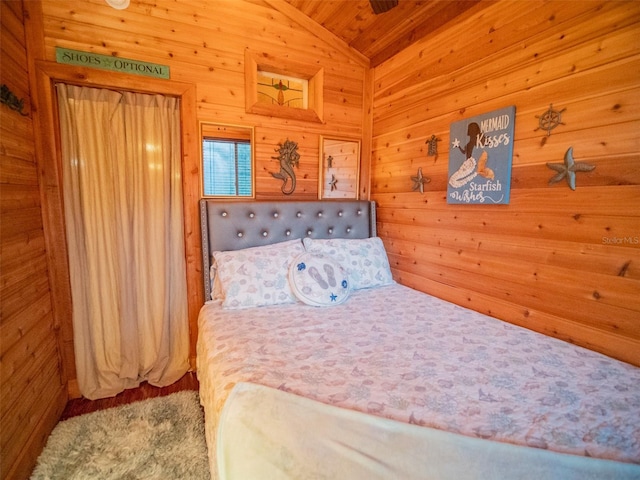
(480,157)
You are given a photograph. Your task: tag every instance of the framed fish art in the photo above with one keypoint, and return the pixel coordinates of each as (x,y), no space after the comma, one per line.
(480,157)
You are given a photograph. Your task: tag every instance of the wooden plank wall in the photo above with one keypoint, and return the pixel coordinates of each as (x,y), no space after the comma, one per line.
(30,368)
(562,262)
(204,43)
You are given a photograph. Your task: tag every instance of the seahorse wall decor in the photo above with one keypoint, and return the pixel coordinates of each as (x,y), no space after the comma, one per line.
(288,158)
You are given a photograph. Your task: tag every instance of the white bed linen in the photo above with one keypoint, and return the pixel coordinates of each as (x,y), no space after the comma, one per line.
(265,433)
(400,354)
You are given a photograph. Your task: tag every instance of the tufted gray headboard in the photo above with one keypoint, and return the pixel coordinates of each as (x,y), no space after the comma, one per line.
(237,225)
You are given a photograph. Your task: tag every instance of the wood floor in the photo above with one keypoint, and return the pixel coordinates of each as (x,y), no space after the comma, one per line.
(81,406)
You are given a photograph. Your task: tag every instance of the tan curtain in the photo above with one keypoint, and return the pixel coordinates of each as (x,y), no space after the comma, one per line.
(124,218)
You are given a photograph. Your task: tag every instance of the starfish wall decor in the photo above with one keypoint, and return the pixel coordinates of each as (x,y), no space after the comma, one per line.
(333,182)
(419,180)
(568,169)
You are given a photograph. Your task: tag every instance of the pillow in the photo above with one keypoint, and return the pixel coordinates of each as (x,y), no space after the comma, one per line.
(318,280)
(216,286)
(257,276)
(365,259)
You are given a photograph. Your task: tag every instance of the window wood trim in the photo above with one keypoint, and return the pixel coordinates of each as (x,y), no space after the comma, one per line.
(221,131)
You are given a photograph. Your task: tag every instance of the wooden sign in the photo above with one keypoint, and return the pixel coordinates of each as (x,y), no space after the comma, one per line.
(106,62)
(480,158)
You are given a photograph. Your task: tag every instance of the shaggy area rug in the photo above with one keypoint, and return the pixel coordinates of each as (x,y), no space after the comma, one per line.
(159,438)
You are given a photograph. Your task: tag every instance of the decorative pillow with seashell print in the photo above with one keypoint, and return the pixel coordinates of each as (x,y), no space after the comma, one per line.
(364,259)
(257,276)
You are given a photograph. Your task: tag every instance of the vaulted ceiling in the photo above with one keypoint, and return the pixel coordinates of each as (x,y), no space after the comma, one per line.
(380,36)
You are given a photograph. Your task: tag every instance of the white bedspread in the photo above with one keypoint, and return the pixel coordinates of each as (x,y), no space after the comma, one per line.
(318,441)
(399,354)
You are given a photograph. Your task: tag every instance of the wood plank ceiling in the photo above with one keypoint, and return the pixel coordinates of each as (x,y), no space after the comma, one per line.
(381,36)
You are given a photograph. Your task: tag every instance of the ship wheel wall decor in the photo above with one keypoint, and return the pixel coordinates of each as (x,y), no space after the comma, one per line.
(550,119)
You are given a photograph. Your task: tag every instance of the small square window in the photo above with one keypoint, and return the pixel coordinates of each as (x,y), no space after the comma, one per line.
(283,88)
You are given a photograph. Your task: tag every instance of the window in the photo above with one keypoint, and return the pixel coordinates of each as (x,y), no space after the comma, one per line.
(227,167)
(227,164)
(274,89)
(265,95)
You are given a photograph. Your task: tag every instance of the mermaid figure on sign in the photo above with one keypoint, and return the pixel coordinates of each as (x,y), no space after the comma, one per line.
(467,170)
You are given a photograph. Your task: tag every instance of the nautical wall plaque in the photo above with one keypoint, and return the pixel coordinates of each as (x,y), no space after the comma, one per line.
(106,62)
(480,158)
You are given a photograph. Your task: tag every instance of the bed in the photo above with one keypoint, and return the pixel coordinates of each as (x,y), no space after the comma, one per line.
(314,363)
